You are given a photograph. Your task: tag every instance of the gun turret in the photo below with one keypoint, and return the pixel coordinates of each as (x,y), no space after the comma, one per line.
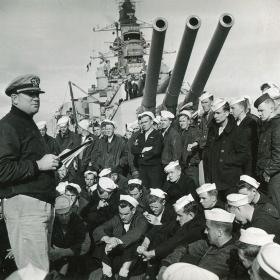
(156,51)
(171,98)
(225,23)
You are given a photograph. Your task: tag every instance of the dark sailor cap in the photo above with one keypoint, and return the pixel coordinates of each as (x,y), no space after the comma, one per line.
(24,84)
(261,99)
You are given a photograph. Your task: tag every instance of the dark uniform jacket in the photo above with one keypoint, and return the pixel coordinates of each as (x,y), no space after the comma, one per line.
(184,186)
(21,145)
(168,227)
(115,228)
(261,219)
(132,160)
(52,146)
(225,155)
(112,155)
(267,205)
(96,217)
(213,258)
(269,148)
(189,137)
(249,129)
(172,146)
(73,238)
(188,233)
(152,157)
(70,140)
(205,121)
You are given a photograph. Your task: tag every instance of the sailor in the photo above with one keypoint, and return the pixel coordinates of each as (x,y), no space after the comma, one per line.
(208,196)
(267,265)
(117,239)
(147,149)
(206,100)
(192,223)
(274,92)
(112,151)
(225,151)
(250,242)
(248,125)
(70,238)
(139,192)
(172,143)
(50,141)
(177,184)
(249,186)
(103,204)
(190,151)
(249,216)
(268,166)
(161,216)
(215,254)
(27,179)
(65,138)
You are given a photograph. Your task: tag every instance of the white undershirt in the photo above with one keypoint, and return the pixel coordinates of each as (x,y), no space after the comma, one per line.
(126,227)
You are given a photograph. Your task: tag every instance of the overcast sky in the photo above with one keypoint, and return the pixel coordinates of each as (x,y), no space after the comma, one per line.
(54,39)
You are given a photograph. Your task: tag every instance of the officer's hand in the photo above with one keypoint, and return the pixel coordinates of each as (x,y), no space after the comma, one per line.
(48,162)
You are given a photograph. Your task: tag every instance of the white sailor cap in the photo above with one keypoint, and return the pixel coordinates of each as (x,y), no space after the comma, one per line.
(250,180)
(186,113)
(238,100)
(28,272)
(237,199)
(147,113)
(273,91)
(41,124)
(107,184)
(205,95)
(90,172)
(219,215)
(171,165)
(63,121)
(61,187)
(131,200)
(167,115)
(104,172)
(84,124)
(158,193)
(76,186)
(268,259)
(183,201)
(107,121)
(217,104)
(178,271)
(134,181)
(187,106)
(63,204)
(255,236)
(206,188)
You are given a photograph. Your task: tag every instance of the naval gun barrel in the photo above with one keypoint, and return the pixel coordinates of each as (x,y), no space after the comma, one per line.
(226,21)
(171,98)
(156,51)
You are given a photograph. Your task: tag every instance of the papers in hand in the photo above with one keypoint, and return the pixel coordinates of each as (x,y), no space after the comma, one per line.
(67,157)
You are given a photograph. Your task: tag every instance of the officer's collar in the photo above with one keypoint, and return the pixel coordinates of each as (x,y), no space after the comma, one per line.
(20,113)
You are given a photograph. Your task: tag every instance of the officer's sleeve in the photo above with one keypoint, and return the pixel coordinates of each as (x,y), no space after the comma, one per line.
(12,167)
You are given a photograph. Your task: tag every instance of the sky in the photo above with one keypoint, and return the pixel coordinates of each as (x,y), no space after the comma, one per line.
(54,39)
